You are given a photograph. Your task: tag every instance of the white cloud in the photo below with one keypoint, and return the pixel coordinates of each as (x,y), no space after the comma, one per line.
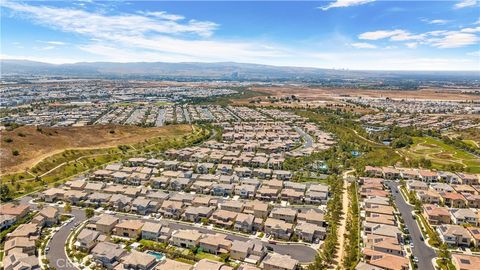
(397,35)
(465,3)
(440,38)
(164,15)
(455,40)
(411,45)
(59,43)
(475,53)
(436,21)
(44,48)
(84,22)
(157,38)
(363,45)
(345,3)
(471,30)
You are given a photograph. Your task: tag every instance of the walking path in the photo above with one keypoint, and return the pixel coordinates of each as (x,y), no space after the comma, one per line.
(343,220)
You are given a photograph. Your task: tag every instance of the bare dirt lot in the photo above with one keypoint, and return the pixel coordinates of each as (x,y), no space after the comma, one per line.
(333,94)
(25,146)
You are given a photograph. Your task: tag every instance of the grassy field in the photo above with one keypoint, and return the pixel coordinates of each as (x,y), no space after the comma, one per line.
(69,163)
(441,155)
(35,144)
(469,136)
(243,97)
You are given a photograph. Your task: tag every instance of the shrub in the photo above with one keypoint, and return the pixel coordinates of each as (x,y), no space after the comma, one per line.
(15,152)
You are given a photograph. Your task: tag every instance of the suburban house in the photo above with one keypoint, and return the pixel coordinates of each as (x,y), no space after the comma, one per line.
(223,218)
(107,254)
(186,238)
(244,222)
(129,228)
(284,213)
(462,216)
(278,228)
(436,215)
(106,223)
(138,261)
(215,244)
(151,231)
(275,261)
(197,213)
(454,235)
(310,232)
(171,209)
(87,239)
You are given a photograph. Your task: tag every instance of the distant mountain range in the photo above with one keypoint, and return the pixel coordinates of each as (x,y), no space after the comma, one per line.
(215,71)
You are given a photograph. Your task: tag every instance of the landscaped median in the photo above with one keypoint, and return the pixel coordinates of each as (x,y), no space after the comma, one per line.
(428,232)
(404,193)
(75,257)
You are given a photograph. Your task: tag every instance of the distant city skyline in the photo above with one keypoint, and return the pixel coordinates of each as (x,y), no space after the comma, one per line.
(348,34)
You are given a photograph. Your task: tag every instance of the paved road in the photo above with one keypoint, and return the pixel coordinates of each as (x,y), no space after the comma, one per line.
(306,137)
(56,255)
(160,118)
(424,253)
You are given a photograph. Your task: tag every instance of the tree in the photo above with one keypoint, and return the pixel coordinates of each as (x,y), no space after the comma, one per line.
(67,208)
(443,252)
(89,212)
(5,193)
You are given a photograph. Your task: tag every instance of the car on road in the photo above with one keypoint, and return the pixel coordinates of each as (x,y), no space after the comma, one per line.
(411,245)
(47,249)
(415,259)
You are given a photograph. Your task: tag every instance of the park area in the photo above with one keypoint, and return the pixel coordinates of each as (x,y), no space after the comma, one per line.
(442,155)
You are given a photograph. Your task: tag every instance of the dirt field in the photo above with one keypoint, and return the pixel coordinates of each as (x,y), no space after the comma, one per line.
(34,145)
(333,94)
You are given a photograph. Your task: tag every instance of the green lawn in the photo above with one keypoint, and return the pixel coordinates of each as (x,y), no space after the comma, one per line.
(204,255)
(442,155)
(471,143)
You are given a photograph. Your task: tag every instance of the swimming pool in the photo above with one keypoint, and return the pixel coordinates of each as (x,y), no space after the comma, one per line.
(158,255)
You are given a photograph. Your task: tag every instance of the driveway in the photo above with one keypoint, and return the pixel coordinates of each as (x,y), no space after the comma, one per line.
(56,255)
(424,253)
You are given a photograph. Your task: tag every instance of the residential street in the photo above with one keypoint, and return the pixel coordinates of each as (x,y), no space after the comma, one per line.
(424,253)
(56,255)
(306,137)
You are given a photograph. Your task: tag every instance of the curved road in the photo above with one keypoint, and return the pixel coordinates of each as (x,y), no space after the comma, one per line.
(56,255)
(424,253)
(306,137)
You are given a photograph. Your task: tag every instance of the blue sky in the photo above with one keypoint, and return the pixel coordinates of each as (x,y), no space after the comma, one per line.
(350,34)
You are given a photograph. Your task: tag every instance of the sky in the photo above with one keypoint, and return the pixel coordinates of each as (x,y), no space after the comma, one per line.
(341,34)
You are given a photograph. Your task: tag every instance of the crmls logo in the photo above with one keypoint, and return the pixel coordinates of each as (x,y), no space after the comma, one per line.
(63,263)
